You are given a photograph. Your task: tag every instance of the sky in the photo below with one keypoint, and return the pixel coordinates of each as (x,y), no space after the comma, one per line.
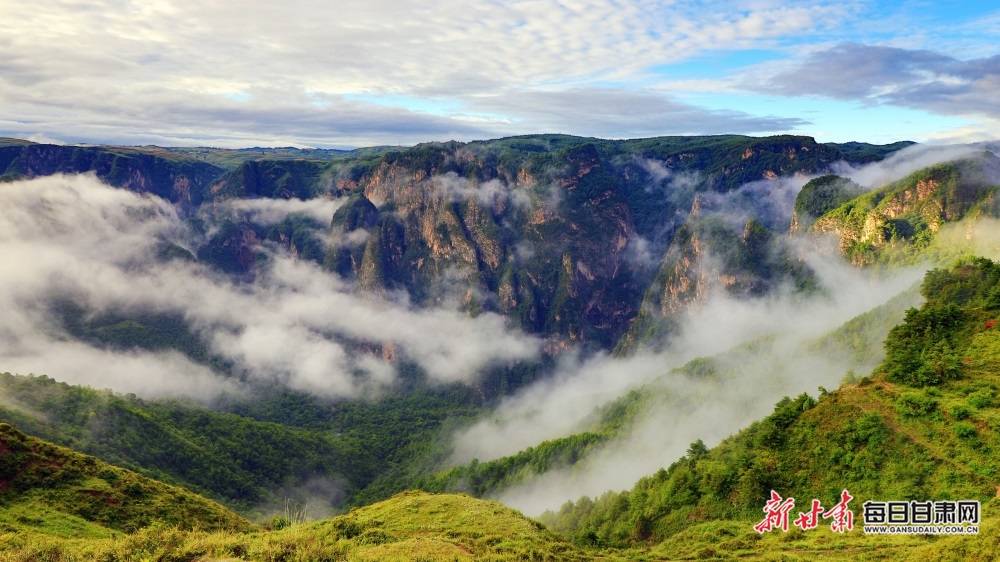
(352,73)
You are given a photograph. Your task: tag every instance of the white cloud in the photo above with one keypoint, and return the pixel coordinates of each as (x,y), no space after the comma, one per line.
(272,211)
(74,238)
(684,408)
(903,163)
(313,72)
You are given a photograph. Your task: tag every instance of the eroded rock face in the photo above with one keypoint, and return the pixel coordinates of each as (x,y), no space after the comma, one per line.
(910,211)
(551,241)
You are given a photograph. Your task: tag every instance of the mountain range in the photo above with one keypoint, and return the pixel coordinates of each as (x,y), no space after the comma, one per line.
(530,319)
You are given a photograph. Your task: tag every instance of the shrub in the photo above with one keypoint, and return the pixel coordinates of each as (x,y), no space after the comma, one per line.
(965,430)
(981,398)
(959,411)
(915,404)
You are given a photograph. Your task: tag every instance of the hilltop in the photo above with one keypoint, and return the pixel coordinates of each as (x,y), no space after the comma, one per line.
(54,490)
(409,526)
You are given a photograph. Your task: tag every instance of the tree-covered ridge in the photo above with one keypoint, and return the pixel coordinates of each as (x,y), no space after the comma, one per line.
(252,459)
(485,479)
(887,436)
(57,490)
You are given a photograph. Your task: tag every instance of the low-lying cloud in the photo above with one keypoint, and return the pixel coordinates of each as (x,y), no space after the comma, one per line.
(489,193)
(73,238)
(684,408)
(273,211)
(903,163)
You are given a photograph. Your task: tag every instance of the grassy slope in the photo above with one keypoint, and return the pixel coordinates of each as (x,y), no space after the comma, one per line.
(882,438)
(409,526)
(430,527)
(59,491)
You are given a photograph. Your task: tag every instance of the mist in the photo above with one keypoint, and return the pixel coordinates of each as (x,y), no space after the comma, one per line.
(685,408)
(272,211)
(903,163)
(71,238)
(489,193)
(783,360)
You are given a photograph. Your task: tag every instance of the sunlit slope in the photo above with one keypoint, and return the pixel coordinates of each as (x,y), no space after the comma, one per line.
(51,489)
(899,221)
(409,526)
(924,425)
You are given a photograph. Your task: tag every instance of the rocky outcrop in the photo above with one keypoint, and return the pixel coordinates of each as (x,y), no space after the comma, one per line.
(904,216)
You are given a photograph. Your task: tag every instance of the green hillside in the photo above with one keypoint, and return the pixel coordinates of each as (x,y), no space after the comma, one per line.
(820,196)
(898,222)
(249,460)
(925,424)
(54,490)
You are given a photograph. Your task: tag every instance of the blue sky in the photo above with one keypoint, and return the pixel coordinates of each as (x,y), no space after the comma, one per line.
(353,73)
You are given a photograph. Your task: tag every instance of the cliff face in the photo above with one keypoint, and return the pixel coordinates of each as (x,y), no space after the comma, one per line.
(563,237)
(905,215)
(179,180)
(710,255)
(567,236)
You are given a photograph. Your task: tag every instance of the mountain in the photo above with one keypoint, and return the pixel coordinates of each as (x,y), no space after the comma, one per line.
(561,234)
(50,489)
(589,244)
(922,425)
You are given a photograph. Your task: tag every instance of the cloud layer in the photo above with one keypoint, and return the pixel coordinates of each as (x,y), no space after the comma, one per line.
(361,73)
(907,77)
(73,238)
